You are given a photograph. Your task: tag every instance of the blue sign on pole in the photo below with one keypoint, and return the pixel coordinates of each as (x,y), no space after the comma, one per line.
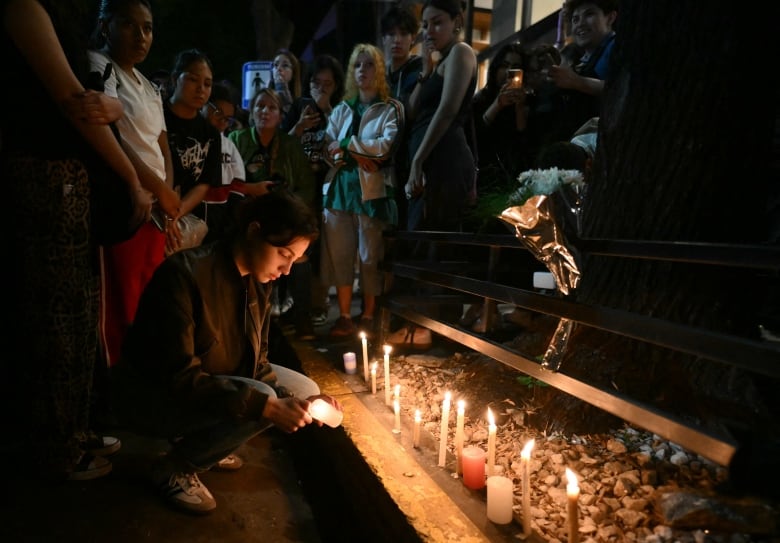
(256,75)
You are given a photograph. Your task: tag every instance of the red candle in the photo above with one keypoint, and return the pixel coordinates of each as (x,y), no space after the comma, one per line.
(474,467)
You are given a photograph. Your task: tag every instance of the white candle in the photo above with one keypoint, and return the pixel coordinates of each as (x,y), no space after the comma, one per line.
(499,499)
(573,493)
(491,459)
(397,411)
(350,366)
(459,435)
(416,435)
(397,392)
(525,461)
(445,424)
(364,340)
(387,349)
(373,378)
(326,413)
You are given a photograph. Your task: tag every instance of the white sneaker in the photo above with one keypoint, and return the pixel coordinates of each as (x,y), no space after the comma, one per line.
(90,467)
(186,492)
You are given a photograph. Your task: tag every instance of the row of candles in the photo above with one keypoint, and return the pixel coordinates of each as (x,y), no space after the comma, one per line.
(471,461)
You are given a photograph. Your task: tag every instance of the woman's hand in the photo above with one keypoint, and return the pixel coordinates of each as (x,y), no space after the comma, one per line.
(169,201)
(368,164)
(288,414)
(416,183)
(309,119)
(93,107)
(322,98)
(509,95)
(142,205)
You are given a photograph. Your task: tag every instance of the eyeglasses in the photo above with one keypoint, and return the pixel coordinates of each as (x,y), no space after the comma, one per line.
(220,115)
(324,85)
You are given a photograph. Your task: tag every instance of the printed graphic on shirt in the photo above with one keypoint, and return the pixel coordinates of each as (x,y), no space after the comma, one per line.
(193,156)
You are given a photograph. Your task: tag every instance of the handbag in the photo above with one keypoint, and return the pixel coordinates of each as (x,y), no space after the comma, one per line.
(111,204)
(193,230)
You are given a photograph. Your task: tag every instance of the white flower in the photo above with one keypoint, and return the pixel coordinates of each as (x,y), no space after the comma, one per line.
(533,182)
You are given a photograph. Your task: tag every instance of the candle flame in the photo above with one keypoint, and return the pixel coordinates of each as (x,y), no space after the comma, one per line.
(461,406)
(373,367)
(397,390)
(417,415)
(571,482)
(363,336)
(387,349)
(525,454)
(491,420)
(317,410)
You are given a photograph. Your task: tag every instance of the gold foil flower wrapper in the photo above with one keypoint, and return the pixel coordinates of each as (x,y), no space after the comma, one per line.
(536,226)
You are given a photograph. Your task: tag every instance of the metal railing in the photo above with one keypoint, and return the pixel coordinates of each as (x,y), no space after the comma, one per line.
(759,357)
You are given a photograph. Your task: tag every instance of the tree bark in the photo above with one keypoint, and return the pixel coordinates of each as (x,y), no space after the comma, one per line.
(684,154)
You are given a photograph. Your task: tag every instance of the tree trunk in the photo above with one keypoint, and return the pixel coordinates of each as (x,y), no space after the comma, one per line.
(684,153)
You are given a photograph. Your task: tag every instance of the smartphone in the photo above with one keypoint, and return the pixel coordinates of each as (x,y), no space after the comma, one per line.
(514,77)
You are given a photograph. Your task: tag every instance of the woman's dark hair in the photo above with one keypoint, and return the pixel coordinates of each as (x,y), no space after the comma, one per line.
(453,7)
(283,217)
(492,87)
(328,62)
(402,18)
(107,10)
(187,58)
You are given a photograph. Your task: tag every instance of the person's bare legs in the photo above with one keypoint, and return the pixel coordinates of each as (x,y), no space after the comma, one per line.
(344,298)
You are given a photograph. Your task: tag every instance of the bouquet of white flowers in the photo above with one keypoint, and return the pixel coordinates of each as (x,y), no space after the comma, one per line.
(537,182)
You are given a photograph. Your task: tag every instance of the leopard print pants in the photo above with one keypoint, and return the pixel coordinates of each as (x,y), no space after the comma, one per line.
(55,288)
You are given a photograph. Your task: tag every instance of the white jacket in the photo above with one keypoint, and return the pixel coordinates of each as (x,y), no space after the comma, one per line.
(378,136)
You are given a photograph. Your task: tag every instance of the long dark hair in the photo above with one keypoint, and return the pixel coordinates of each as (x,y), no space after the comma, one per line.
(492,86)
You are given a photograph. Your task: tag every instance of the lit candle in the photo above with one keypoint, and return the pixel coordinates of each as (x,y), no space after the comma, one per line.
(387,349)
(397,411)
(416,435)
(350,366)
(573,493)
(474,467)
(445,423)
(365,355)
(373,378)
(397,392)
(491,458)
(459,435)
(499,499)
(525,461)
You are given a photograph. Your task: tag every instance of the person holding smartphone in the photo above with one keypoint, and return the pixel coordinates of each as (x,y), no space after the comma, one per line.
(500,114)
(307,121)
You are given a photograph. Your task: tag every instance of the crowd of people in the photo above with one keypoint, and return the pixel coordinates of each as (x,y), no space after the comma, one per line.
(296,193)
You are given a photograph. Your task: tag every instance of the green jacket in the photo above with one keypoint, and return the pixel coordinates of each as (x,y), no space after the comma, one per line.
(284,160)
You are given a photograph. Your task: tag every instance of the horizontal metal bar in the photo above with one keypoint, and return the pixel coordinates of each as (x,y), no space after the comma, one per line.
(718,254)
(745,256)
(751,355)
(719,449)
